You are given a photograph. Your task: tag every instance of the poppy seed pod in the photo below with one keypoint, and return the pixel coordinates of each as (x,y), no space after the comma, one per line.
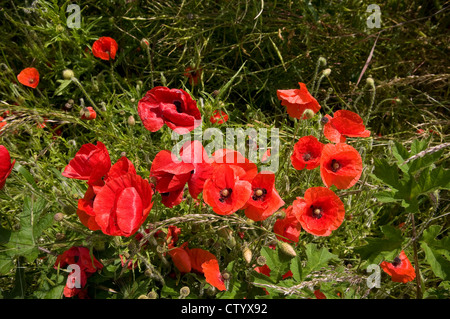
(58,217)
(152,295)
(261,260)
(131,120)
(370,82)
(185,291)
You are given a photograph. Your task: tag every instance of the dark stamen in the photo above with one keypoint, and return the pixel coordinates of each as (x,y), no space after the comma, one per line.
(224,194)
(335,166)
(178,106)
(397,261)
(306,157)
(259,193)
(316,211)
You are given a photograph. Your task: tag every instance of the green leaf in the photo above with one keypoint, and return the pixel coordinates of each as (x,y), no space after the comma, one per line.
(380,248)
(431,180)
(25,173)
(22,242)
(64,84)
(277,262)
(439,265)
(296,269)
(401,154)
(386,196)
(424,161)
(316,258)
(386,173)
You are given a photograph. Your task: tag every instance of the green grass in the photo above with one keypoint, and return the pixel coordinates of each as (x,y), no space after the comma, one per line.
(275,45)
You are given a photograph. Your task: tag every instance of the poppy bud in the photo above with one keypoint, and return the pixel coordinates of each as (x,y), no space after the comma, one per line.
(144,43)
(326,72)
(59,236)
(142,297)
(287,249)
(59,28)
(68,74)
(308,114)
(152,295)
(131,121)
(261,260)
(370,82)
(184,291)
(322,61)
(247,255)
(58,217)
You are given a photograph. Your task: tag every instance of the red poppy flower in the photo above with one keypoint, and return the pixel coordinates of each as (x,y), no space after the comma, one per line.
(344,124)
(2,122)
(307,152)
(340,165)
(264,200)
(169,173)
(90,163)
(319,294)
(218,117)
(123,204)
(225,192)
(400,269)
(320,212)
(287,229)
(29,77)
(297,101)
(213,275)
(85,210)
(173,107)
(193,75)
(181,259)
(172,198)
(105,48)
(242,167)
(88,114)
(194,153)
(6,165)
(81,257)
(121,167)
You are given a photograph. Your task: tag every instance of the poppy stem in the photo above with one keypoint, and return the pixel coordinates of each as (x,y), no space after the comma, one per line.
(416,260)
(75,80)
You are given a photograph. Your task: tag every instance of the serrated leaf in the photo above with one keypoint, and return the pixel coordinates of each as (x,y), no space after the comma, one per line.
(439,265)
(316,258)
(431,180)
(424,161)
(277,262)
(378,248)
(386,173)
(296,269)
(386,196)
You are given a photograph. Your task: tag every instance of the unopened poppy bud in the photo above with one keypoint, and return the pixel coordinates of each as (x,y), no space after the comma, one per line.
(148,273)
(144,43)
(185,291)
(322,61)
(152,295)
(68,74)
(326,72)
(397,100)
(261,260)
(287,249)
(308,114)
(247,253)
(59,236)
(131,120)
(280,214)
(143,297)
(370,82)
(59,28)
(58,217)
(225,233)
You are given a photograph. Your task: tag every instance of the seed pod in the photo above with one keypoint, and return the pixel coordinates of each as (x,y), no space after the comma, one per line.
(58,217)
(287,249)
(326,72)
(184,291)
(143,297)
(261,260)
(131,120)
(152,295)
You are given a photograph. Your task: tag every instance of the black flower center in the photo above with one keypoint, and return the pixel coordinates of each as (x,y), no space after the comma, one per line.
(178,106)
(397,261)
(335,166)
(316,211)
(224,194)
(306,157)
(259,193)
